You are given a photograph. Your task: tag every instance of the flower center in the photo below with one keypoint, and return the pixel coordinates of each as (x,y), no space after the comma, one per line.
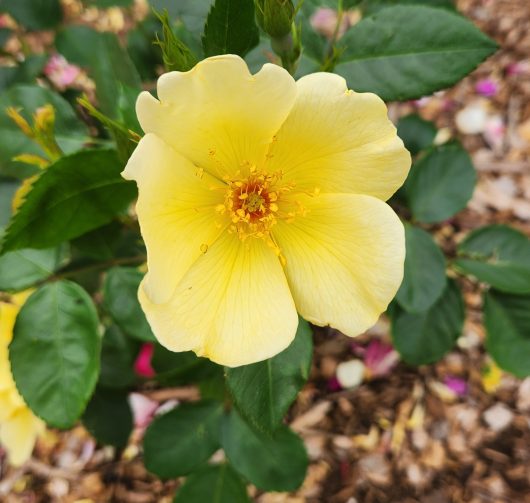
(255,202)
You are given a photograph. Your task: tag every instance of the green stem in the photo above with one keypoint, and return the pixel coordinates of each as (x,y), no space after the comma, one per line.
(285,48)
(329,62)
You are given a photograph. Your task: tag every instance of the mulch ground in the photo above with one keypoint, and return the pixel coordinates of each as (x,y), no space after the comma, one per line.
(405,437)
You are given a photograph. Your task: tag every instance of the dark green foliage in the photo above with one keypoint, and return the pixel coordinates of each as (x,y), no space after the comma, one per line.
(276,462)
(424,279)
(55,352)
(108,417)
(264,391)
(410,51)
(423,338)
(76,194)
(182,440)
(230,28)
(497,255)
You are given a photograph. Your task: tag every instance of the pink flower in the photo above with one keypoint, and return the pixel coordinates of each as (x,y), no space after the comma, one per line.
(380,358)
(142,365)
(486,87)
(324,21)
(4,21)
(456,384)
(61,73)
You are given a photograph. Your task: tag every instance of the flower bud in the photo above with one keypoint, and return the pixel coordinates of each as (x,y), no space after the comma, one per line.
(275,17)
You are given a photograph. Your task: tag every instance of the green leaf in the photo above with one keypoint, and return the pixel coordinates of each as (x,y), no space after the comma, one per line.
(70,132)
(76,194)
(272,463)
(507,322)
(120,298)
(498,255)
(5,35)
(118,353)
(8,187)
(264,391)
(25,72)
(110,241)
(315,45)
(34,14)
(108,63)
(100,243)
(424,279)
(424,338)
(55,352)
(192,14)
(175,53)
(175,369)
(215,483)
(417,133)
(440,184)
(230,28)
(405,52)
(22,268)
(371,6)
(180,441)
(108,417)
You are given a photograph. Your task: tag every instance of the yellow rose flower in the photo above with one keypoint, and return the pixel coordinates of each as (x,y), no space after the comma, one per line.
(259,197)
(19,427)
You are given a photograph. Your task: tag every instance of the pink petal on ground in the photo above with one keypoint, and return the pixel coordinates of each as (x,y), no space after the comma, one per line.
(487,87)
(380,358)
(143,409)
(494,131)
(457,385)
(142,365)
(334,384)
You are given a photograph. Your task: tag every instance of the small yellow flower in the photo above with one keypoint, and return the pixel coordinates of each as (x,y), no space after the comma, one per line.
(19,428)
(259,197)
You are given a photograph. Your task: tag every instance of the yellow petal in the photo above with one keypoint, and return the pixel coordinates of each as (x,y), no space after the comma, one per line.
(176,211)
(8,315)
(344,260)
(18,435)
(6,379)
(219,115)
(233,306)
(10,401)
(339,141)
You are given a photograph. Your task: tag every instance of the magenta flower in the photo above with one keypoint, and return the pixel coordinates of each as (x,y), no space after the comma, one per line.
(142,365)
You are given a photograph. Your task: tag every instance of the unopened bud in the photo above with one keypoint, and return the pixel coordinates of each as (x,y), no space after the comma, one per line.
(44,119)
(22,123)
(275,17)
